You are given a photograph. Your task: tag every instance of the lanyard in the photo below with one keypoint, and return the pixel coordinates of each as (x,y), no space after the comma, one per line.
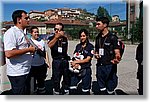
(29,41)
(102,45)
(60,42)
(82,49)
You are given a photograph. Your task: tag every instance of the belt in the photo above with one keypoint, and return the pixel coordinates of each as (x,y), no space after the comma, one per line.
(102,64)
(59,58)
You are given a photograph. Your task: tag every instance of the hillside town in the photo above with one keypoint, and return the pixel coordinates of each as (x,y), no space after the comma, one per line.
(71,18)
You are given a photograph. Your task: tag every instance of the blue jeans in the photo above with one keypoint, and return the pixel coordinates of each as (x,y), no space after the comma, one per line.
(20,84)
(106,77)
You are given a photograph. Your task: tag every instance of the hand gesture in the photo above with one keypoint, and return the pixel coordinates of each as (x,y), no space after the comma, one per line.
(31,49)
(116,60)
(97,56)
(59,34)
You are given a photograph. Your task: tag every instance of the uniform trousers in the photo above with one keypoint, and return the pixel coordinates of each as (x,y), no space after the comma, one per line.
(60,67)
(85,77)
(106,77)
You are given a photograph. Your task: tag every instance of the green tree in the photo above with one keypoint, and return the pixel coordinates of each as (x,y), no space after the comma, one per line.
(137,31)
(103,12)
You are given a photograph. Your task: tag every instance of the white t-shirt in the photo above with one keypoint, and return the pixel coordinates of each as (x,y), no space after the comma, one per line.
(37,59)
(21,64)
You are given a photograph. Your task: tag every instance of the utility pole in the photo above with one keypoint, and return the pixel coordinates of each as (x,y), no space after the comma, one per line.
(128,18)
(133,21)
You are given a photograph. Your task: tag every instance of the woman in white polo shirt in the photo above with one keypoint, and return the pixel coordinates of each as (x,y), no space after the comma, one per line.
(38,67)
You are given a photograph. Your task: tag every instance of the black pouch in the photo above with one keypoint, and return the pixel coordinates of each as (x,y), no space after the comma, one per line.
(68,58)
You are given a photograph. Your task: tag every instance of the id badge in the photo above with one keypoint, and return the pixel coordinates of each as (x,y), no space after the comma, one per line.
(101,52)
(60,49)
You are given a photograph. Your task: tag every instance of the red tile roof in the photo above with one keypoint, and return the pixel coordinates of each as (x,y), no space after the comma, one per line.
(36,23)
(34,11)
(114,24)
(65,22)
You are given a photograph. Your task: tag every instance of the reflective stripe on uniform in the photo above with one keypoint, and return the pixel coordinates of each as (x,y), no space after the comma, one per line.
(73,87)
(87,90)
(103,89)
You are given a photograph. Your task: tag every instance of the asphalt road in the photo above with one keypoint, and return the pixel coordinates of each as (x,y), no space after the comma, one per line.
(127,68)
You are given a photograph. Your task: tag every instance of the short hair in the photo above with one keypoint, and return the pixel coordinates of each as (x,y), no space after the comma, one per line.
(104,20)
(33,27)
(86,33)
(60,25)
(17,14)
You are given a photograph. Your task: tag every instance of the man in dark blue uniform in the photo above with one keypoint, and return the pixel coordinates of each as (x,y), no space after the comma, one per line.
(58,43)
(139,58)
(107,53)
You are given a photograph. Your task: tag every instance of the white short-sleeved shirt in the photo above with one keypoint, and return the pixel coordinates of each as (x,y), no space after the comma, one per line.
(37,59)
(21,64)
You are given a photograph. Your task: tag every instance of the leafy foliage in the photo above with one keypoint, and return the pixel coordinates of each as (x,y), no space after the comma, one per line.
(137,31)
(103,12)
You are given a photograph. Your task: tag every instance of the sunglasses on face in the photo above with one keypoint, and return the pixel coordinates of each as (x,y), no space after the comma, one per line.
(55,29)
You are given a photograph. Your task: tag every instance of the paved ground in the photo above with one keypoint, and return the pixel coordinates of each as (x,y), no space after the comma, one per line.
(127,69)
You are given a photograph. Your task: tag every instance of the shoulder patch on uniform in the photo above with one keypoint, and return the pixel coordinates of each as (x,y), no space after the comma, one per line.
(118,43)
(92,51)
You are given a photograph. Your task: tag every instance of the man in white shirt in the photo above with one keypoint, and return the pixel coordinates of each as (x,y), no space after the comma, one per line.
(18,53)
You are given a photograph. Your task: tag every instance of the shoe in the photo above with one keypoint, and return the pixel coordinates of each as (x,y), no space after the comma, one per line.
(73,92)
(41,91)
(35,91)
(66,92)
(111,92)
(85,93)
(103,92)
(55,92)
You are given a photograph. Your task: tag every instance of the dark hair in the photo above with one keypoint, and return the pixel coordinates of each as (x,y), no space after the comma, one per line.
(60,25)
(17,14)
(104,20)
(33,27)
(85,31)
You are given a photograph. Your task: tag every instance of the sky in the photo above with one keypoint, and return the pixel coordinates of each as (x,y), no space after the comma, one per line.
(117,7)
